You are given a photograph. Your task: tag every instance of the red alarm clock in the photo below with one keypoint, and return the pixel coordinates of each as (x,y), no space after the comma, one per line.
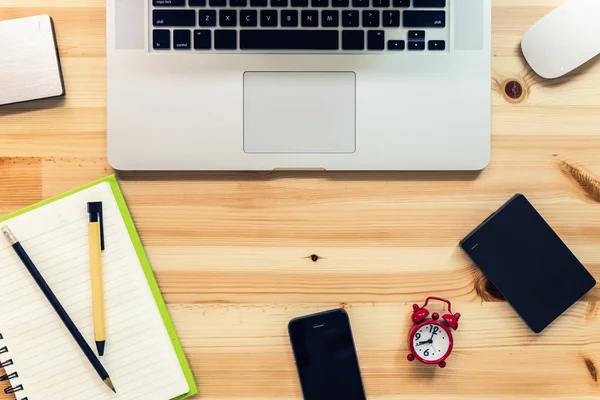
(430,341)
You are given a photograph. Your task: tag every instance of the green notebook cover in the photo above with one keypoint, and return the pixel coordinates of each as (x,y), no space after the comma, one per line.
(139,249)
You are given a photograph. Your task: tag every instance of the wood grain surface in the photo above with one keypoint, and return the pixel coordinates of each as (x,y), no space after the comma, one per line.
(237,255)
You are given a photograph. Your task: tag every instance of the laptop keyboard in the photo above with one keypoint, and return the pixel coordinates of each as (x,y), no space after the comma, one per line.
(343,26)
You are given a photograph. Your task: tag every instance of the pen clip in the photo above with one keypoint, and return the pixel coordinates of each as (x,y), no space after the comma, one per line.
(96,215)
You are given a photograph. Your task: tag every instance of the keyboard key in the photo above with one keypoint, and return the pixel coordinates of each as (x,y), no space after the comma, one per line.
(416,45)
(310,18)
(340,3)
(279,3)
(416,35)
(430,3)
(174,17)
(401,3)
(161,39)
(197,3)
(207,17)
(248,17)
(289,18)
(299,3)
(168,3)
(225,39)
(350,18)
(381,3)
(182,39)
(424,19)
(391,18)
(295,39)
(258,3)
(360,3)
(202,39)
(330,19)
(353,40)
(375,40)
(319,3)
(436,45)
(217,3)
(268,17)
(396,44)
(238,3)
(370,18)
(227,18)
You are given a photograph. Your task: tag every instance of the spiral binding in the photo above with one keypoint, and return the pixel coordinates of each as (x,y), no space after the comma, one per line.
(9,362)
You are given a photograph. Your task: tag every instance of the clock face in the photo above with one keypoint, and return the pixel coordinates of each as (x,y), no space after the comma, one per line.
(432,342)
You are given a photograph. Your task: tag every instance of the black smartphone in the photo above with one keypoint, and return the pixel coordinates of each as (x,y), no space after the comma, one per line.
(326,357)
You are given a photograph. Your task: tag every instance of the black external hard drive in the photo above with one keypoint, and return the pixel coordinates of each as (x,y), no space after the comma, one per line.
(528,263)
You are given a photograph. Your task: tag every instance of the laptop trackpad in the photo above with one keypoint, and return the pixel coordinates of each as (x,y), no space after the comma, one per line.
(299,112)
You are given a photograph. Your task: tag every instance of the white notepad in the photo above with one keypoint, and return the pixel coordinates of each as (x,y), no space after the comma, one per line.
(139,358)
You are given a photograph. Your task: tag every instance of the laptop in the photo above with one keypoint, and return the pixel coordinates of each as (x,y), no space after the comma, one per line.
(299,84)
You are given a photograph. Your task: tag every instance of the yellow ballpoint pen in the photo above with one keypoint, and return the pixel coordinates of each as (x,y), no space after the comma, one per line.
(96,237)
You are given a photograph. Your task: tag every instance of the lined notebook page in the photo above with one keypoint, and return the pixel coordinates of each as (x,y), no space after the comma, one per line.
(139,356)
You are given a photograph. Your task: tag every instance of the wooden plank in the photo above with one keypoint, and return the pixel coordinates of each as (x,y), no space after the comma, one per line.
(80,31)
(229,274)
(41,144)
(249,344)
(20,183)
(65,173)
(56,119)
(28,4)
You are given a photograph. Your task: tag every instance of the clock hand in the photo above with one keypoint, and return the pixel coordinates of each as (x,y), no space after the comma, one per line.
(425,342)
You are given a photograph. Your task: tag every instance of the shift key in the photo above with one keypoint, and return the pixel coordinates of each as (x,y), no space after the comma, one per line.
(424,19)
(174,17)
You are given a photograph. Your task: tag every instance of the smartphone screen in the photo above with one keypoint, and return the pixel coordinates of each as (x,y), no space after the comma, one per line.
(325,356)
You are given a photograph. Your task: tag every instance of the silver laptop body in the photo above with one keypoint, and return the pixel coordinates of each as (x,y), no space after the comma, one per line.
(299,84)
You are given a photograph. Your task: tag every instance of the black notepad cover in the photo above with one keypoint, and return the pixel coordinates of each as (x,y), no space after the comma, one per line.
(528,263)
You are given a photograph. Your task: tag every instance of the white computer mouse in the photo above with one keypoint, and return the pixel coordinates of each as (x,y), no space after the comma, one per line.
(565,39)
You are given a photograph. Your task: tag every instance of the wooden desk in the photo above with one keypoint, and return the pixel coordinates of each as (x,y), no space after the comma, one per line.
(234,251)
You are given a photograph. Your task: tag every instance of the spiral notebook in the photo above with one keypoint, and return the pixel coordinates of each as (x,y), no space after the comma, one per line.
(42,361)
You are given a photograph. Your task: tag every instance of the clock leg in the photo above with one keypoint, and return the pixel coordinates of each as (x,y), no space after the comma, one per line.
(410,357)
(442,364)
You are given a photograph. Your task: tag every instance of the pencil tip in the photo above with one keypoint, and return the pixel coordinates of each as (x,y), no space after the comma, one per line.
(110,384)
(100,347)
